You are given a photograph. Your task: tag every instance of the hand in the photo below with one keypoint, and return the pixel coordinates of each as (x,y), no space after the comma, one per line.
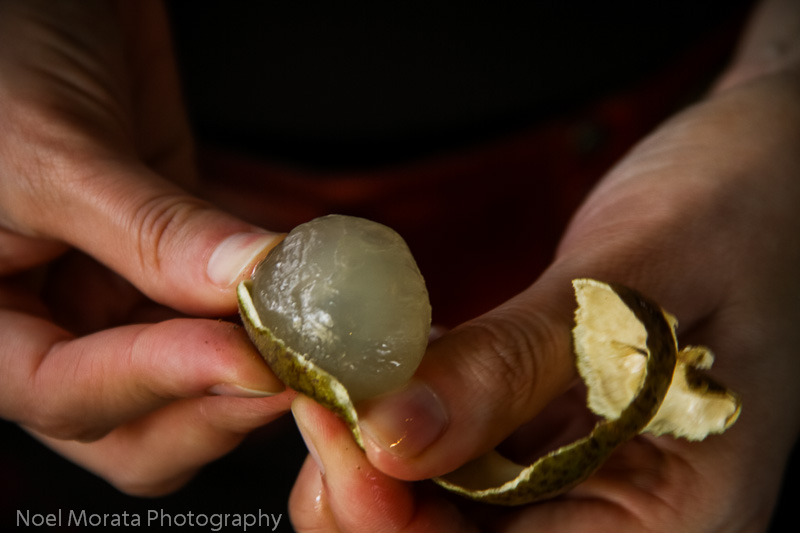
(702,216)
(102,252)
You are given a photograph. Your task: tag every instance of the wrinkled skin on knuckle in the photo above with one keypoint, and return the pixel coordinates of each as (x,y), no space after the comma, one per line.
(162,226)
(153,221)
(506,357)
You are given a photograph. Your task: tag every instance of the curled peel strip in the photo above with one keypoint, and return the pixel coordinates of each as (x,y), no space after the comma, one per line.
(627,354)
(566,467)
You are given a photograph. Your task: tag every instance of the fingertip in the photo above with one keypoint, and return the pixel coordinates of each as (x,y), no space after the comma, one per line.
(310,426)
(210,256)
(308,503)
(235,257)
(359,496)
(404,424)
(488,376)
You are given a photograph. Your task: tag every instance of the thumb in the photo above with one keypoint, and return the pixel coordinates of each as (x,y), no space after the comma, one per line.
(177,249)
(476,385)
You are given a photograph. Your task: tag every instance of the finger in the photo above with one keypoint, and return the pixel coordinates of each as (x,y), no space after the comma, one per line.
(18,252)
(158,453)
(177,249)
(476,385)
(81,388)
(347,488)
(77,293)
(308,502)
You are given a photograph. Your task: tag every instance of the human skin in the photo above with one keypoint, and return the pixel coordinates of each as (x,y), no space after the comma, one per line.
(702,216)
(103,253)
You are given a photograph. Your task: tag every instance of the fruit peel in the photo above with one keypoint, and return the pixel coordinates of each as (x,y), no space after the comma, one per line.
(637,380)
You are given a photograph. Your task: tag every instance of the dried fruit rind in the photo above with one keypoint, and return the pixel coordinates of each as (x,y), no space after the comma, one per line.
(627,354)
(611,352)
(695,406)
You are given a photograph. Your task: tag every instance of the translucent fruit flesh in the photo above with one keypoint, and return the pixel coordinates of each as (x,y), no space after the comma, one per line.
(346,293)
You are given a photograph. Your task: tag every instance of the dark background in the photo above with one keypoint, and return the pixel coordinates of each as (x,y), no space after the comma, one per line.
(335,84)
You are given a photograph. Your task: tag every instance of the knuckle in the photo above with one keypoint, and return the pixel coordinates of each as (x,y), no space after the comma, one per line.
(512,356)
(504,360)
(155,223)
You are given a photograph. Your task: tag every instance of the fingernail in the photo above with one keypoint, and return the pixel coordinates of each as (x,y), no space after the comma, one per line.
(306,434)
(237,391)
(406,422)
(235,254)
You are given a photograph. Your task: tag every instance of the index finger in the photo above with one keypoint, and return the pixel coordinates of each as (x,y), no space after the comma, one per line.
(81,388)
